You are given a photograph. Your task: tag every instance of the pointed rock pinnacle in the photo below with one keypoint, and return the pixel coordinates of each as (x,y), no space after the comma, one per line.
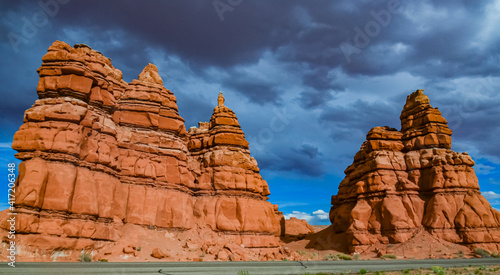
(220,100)
(150,74)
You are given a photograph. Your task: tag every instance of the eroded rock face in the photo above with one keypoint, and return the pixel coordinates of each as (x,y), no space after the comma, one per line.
(99,153)
(297,228)
(403,181)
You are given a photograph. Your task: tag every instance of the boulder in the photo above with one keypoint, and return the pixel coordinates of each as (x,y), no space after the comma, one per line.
(297,228)
(157,253)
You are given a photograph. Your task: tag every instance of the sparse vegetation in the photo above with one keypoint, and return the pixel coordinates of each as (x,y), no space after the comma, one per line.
(202,254)
(388,256)
(302,253)
(481,252)
(336,257)
(138,248)
(434,270)
(344,257)
(243,272)
(495,255)
(460,254)
(438,270)
(103,260)
(85,256)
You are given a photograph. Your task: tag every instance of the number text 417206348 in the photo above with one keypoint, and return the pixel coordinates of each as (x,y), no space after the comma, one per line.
(11,177)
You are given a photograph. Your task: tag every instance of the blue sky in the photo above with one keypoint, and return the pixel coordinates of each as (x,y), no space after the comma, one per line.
(307,80)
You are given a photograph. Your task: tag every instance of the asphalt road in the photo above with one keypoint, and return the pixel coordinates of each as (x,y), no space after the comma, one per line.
(223,268)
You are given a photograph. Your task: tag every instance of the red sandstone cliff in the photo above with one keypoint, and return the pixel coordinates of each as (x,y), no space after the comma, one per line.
(405,181)
(99,155)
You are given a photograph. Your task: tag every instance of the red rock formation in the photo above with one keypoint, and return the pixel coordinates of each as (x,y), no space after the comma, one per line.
(99,154)
(404,181)
(297,228)
(224,171)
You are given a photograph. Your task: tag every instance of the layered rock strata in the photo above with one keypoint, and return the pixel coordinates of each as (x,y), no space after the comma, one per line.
(401,182)
(98,153)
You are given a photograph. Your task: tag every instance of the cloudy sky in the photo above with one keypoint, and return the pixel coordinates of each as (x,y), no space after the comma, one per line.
(307,79)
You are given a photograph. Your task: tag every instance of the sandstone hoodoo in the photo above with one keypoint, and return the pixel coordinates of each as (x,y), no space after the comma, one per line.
(404,182)
(99,154)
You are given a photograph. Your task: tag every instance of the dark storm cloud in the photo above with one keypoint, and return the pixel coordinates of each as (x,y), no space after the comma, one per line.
(292,160)
(361,116)
(313,98)
(296,32)
(320,79)
(190,29)
(309,150)
(260,93)
(474,121)
(323,88)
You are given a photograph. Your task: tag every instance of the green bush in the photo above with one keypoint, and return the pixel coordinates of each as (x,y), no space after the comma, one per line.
(336,257)
(481,252)
(438,270)
(85,257)
(363,271)
(388,256)
(243,272)
(344,257)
